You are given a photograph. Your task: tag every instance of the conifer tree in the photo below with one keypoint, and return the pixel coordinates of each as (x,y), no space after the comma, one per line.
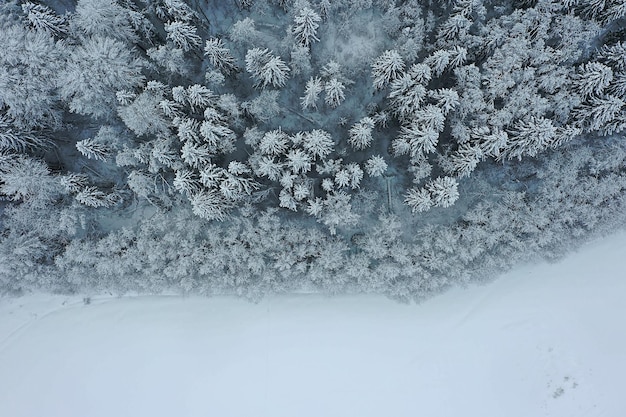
(361,133)
(306,24)
(219,56)
(387,68)
(334,92)
(183,35)
(42,18)
(313,89)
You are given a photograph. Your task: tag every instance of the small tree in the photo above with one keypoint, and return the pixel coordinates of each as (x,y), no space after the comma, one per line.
(334,92)
(361,133)
(313,89)
(375,166)
(243,31)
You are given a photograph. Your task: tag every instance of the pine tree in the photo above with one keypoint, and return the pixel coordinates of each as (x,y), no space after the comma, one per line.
(170,58)
(40,17)
(14,139)
(299,161)
(406,95)
(186,182)
(267,167)
(616,10)
(614,55)
(453,28)
(210,205)
(275,73)
(313,89)
(103,18)
(95,71)
(183,35)
(431,117)
(218,136)
(375,166)
(458,56)
(256,58)
(274,143)
(170,108)
(361,133)
(438,61)
(593,78)
(599,112)
(387,68)
(465,159)
(287,200)
(418,199)
(266,68)
(74,182)
(243,31)
(263,108)
(195,155)
(93,197)
(338,212)
(25,179)
(93,149)
(219,56)
(168,10)
(334,92)
(325,7)
(529,137)
(188,129)
(30,63)
(420,139)
(306,24)
(491,142)
(318,143)
(446,98)
(342,178)
(591,8)
(443,191)
(618,86)
(356,175)
(301,191)
(144,115)
(141,183)
(212,175)
(199,97)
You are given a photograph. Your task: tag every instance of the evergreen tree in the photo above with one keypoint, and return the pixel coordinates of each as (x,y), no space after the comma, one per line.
(219,56)
(306,24)
(95,71)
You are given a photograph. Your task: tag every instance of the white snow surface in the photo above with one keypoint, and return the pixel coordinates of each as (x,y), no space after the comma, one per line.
(543,340)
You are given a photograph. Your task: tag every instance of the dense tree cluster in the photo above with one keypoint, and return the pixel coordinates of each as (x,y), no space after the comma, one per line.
(252,146)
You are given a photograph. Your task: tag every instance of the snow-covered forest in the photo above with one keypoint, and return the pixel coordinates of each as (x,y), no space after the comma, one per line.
(265,146)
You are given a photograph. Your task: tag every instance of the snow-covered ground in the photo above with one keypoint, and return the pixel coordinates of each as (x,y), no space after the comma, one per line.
(545,340)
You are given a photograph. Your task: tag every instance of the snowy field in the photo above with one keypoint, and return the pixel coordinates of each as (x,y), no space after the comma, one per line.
(545,340)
